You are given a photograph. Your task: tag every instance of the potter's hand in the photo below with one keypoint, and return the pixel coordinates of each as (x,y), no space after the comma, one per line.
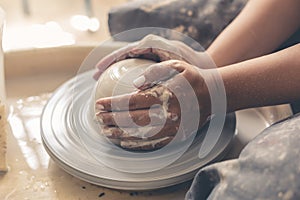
(171,92)
(154,48)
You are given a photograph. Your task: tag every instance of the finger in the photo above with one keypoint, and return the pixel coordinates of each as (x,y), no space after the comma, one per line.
(137,100)
(188,54)
(143,132)
(112,58)
(153,117)
(158,48)
(181,131)
(145,53)
(182,127)
(165,54)
(147,133)
(132,118)
(157,42)
(158,72)
(140,145)
(127,102)
(155,54)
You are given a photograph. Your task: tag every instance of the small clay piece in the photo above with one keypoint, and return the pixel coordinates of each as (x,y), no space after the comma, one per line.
(3,137)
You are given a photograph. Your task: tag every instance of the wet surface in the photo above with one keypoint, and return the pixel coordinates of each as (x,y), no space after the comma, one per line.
(33,175)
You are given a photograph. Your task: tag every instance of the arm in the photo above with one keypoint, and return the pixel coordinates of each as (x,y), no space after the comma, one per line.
(258,30)
(267,80)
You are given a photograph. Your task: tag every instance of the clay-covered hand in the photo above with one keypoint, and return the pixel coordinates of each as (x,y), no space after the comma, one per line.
(154,48)
(170,97)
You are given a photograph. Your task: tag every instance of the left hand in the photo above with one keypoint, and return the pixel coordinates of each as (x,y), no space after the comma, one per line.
(155,48)
(159,124)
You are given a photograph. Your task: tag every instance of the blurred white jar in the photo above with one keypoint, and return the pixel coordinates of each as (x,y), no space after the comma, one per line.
(2,77)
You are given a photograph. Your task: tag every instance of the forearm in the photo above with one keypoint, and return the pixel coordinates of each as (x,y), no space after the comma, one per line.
(259,29)
(268,80)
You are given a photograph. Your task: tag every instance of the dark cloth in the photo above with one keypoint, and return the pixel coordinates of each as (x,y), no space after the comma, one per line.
(267,168)
(201,20)
(293,40)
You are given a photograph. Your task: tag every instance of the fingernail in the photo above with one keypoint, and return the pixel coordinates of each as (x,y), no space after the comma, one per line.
(99,106)
(139,82)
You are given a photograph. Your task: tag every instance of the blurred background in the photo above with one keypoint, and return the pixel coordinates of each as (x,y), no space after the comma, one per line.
(44,23)
(34,28)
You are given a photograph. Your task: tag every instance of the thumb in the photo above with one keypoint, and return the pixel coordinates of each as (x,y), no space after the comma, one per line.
(157,73)
(115,56)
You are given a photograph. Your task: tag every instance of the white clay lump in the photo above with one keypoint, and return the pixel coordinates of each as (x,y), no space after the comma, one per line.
(117,80)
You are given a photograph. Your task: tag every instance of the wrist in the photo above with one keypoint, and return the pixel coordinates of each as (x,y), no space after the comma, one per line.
(212,93)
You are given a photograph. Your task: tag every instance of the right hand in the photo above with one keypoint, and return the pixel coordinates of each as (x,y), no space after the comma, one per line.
(182,88)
